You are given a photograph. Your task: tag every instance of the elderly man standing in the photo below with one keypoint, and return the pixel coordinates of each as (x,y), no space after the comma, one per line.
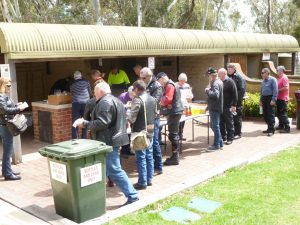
(241,88)
(215,107)
(268,97)
(282,100)
(172,105)
(108,124)
(186,97)
(155,90)
(141,116)
(229,106)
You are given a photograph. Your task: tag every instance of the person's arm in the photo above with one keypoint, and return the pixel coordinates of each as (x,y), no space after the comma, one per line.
(169,95)
(274,90)
(214,91)
(285,85)
(89,89)
(109,79)
(135,108)
(5,110)
(157,93)
(104,117)
(234,94)
(126,79)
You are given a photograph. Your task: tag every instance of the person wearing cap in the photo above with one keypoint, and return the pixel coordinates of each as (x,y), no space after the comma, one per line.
(229,106)
(171,102)
(282,100)
(117,80)
(268,97)
(186,97)
(155,90)
(215,107)
(81,92)
(240,84)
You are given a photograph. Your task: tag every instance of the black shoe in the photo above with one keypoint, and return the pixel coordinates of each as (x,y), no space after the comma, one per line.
(130,201)
(171,161)
(139,186)
(265,131)
(270,134)
(237,137)
(285,131)
(162,143)
(127,153)
(12,177)
(228,142)
(16,173)
(279,128)
(149,184)
(183,139)
(158,172)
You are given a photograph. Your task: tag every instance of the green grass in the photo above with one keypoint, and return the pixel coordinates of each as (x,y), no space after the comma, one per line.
(266,192)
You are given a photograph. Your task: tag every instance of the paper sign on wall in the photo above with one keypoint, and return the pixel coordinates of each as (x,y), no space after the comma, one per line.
(91,174)
(266,56)
(151,63)
(58,172)
(4,69)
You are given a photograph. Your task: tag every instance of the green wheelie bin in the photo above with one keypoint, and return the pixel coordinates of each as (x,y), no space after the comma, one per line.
(78,177)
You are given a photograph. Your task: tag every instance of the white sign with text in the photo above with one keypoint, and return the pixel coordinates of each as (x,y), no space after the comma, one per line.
(151,63)
(58,172)
(91,174)
(4,69)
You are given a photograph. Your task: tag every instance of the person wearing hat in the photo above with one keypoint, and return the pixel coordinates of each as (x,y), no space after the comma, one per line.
(81,92)
(282,100)
(171,103)
(240,84)
(215,107)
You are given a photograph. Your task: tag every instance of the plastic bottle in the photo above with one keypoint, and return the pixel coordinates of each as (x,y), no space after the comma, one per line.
(260,110)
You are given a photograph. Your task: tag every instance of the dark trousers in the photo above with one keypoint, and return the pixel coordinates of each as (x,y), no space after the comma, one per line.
(78,112)
(268,113)
(181,126)
(173,128)
(237,120)
(282,114)
(226,125)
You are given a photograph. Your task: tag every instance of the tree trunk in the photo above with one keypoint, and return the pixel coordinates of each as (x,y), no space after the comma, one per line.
(139,13)
(204,16)
(97,12)
(269,17)
(5,12)
(215,26)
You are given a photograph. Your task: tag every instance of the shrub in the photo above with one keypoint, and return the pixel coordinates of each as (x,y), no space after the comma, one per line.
(251,106)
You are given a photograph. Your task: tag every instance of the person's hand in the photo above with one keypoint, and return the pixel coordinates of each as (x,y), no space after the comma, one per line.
(169,106)
(78,123)
(272,102)
(206,90)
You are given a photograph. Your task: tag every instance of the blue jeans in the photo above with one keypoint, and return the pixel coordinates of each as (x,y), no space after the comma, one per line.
(157,157)
(78,112)
(144,162)
(118,175)
(215,126)
(7,142)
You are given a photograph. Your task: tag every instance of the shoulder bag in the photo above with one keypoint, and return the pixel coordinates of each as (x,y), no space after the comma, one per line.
(139,140)
(17,125)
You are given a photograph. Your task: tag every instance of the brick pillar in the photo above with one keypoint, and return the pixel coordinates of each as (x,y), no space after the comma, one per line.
(61,120)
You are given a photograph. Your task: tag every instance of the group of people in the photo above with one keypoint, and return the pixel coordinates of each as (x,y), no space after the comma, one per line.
(225,95)
(108,118)
(225,103)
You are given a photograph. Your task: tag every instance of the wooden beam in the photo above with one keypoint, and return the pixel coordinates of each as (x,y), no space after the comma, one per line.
(17,153)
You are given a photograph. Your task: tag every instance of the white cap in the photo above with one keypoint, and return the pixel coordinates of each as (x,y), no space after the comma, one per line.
(77,75)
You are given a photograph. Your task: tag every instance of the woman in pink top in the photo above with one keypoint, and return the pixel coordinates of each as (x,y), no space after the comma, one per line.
(282,100)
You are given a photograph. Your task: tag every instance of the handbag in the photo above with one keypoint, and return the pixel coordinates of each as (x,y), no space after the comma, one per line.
(17,125)
(139,140)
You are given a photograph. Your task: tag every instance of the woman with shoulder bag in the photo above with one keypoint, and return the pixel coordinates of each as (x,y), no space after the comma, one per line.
(7,111)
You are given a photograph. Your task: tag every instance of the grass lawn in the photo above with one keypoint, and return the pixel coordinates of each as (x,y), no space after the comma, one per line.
(266,192)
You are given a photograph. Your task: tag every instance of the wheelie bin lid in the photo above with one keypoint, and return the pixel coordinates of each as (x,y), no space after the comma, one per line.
(74,149)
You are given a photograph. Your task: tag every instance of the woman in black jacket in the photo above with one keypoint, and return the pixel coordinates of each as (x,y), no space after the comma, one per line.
(7,111)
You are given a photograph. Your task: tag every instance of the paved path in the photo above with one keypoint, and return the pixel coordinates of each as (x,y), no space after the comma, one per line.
(33,193)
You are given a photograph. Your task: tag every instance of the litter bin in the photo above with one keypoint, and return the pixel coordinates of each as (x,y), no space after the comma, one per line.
(78,177)
(297,96)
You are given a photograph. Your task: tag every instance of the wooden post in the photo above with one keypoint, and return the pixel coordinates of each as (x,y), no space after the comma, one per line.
(17,154)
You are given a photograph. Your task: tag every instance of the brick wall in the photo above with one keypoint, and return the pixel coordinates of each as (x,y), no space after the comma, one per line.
(61,123)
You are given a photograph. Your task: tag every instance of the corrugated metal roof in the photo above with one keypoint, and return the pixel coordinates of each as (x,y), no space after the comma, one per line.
(46,41)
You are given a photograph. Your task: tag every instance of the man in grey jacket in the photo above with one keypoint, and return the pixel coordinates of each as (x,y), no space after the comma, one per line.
(108,124)
(215,107)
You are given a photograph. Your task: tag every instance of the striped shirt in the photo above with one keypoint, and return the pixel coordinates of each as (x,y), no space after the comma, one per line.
(80,90)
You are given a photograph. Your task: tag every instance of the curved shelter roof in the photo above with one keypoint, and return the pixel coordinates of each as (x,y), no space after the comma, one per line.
(46,41)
